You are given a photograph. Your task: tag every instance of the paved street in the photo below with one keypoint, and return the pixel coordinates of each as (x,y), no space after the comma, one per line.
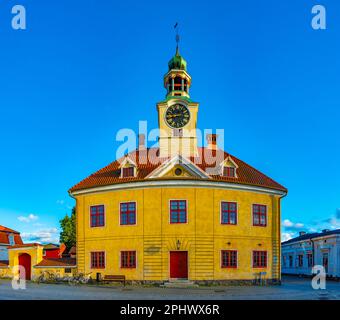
(292,288)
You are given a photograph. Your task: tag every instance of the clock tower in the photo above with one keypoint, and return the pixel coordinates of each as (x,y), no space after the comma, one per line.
(177,114)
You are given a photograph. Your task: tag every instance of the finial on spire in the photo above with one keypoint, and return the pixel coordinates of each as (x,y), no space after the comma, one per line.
(177,38)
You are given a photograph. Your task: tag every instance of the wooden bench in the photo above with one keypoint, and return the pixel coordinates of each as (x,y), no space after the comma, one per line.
(114,278)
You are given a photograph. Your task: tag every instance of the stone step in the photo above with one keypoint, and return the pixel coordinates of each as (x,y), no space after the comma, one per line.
(179,283)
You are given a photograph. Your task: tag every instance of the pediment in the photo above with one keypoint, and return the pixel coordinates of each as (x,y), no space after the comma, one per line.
(178,167)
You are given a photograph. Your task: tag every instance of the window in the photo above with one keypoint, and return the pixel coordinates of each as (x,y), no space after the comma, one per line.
(128,172)
(300,260)
(229,259)
(178,171)
(325,261)
(291,261)
(128,213)
(177,132)
(98,260)
(11,240)
(128,259)
(229,213)
(68,270)
(229,172)
(259,215)
(178,211)
(310,259)
(284,261)
(97,216)
(259,259)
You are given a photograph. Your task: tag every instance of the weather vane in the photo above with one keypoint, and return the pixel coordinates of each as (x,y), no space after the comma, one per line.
(177,34)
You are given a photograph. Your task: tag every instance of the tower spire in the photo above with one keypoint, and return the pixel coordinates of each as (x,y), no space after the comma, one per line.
(177,38)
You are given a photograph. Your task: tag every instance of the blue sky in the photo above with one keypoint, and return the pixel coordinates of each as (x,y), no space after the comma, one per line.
(83,70)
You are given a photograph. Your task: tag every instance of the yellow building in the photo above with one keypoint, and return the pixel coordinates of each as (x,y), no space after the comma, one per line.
(30,260)
(179,211)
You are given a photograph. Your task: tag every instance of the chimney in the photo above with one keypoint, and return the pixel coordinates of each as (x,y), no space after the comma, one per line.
(302,233)
(141,141)
(212,141)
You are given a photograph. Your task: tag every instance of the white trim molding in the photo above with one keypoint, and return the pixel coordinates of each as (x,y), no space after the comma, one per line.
(179,183)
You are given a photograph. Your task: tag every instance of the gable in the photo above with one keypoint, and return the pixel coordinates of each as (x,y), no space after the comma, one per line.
(229,162)
(178,171)
(172,168)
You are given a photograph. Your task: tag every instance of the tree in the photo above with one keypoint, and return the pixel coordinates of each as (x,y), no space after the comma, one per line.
(68,226)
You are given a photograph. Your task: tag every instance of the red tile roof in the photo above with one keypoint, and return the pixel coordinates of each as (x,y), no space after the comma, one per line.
(50,246)
(5,229)
(57,262)
(6,232)
(147,161)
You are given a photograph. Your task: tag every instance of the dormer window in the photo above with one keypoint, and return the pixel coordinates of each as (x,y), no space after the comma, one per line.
(229,168)
(128,168)
(229,172)
(128,172)
(11,240)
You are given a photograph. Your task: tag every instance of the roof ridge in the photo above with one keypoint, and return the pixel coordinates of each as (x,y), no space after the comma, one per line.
(312,236)
(5,229)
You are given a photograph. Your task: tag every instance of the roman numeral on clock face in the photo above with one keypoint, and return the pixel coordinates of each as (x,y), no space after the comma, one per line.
(177,116)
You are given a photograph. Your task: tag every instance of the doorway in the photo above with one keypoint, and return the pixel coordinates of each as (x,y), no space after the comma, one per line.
(325,261)
(25,261)
(179,264)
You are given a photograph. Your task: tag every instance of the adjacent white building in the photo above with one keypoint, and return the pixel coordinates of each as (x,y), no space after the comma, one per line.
(300,254)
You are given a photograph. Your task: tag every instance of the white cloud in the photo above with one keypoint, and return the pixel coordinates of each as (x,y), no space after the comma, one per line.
(42,236)
(291,229)
(334,223)
(31,217)
(61,202)
(289,225)
(285,236)
(38,224)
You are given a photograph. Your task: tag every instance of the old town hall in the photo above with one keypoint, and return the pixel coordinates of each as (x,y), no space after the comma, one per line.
(179,212)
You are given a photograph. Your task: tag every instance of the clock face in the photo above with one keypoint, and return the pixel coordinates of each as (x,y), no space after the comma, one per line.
(177,116)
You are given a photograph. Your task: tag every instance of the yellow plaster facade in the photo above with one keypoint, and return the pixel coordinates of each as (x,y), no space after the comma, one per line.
(203,236)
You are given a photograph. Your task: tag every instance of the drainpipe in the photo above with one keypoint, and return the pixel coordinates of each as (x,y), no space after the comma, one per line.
(280,247)
(313,252)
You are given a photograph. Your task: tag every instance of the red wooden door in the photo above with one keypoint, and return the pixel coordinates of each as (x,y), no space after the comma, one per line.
(25,261)
(179,264)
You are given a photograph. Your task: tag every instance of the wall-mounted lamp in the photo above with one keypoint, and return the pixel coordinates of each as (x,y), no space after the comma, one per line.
(178,244)
(259,244)
(228,243)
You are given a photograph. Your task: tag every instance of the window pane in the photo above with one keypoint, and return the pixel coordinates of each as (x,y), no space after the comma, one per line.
(263,220)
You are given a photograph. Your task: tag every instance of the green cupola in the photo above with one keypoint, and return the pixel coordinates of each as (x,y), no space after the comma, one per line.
(177,81)
(177,62)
